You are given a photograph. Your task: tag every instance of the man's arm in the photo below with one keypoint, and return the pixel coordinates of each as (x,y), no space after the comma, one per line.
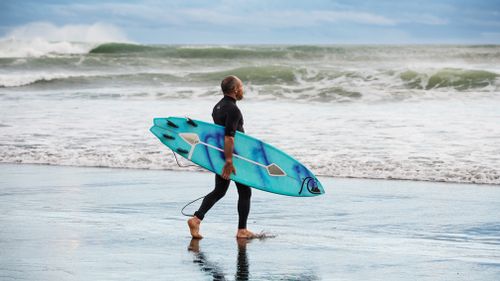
(228,154)
(232,118)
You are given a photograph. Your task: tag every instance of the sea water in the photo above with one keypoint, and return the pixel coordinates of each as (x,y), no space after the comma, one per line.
(395,112)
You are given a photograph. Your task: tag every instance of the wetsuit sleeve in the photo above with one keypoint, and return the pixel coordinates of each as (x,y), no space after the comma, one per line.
(232,119)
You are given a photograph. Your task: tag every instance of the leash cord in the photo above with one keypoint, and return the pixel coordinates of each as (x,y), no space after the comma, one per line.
(179,164)
(190,215)
(182,210)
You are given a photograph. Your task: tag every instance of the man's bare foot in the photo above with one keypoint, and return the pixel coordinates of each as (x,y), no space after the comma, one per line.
(194,227)
(245,234)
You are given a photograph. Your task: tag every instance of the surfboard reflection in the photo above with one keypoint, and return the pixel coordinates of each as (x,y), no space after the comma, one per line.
(242,265)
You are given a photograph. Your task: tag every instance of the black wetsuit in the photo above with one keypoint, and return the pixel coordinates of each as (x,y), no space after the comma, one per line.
(227,114)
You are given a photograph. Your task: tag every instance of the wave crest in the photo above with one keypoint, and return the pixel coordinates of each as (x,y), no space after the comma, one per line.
(253,74)
(459,79)
(66,79)
(13,48)
(188,51)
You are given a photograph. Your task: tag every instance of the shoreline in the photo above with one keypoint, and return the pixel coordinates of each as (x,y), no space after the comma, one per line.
(71,223)
(204,171)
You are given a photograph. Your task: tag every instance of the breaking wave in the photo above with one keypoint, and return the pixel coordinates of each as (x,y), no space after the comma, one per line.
(12,48)
(192,52)
(272,82)
(460,79)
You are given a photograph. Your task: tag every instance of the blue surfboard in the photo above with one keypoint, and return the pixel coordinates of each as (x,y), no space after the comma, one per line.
(258,164)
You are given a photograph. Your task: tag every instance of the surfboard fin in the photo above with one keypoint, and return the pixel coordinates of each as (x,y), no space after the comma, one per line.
(172,124)
(191,122)
(169,137)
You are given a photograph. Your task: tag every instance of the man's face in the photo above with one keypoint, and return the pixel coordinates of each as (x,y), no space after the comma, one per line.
(239,91)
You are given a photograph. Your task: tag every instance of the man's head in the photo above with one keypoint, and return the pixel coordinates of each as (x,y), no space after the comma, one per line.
(232,86)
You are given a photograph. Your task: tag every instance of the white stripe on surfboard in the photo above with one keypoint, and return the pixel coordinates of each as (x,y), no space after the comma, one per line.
(193,139)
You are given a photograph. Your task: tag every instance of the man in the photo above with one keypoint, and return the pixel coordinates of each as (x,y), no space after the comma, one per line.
(227,114)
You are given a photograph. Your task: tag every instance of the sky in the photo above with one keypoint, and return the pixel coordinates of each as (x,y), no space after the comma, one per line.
(255,22)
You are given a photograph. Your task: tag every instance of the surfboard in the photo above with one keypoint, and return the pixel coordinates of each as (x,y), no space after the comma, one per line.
(258,164)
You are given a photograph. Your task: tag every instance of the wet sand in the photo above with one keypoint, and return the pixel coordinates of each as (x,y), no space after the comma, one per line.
(73,223)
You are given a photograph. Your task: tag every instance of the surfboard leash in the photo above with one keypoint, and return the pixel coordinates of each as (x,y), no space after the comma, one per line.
(190,215)
(179,164)
(182,210)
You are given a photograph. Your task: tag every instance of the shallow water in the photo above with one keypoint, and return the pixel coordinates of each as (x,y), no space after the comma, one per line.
(73,223)
(456,141)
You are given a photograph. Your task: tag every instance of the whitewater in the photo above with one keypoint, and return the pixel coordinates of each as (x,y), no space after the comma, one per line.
(412,112)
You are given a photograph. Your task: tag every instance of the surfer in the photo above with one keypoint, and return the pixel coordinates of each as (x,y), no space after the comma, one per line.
(227,114)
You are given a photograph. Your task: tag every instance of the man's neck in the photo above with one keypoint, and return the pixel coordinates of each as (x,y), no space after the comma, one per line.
(233,96)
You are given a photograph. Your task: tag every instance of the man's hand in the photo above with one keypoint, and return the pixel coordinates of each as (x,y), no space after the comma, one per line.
(228,169)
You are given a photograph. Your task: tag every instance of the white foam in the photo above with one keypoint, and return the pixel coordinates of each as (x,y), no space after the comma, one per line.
(16,80)
(42,38)
(37,47)
(425,140)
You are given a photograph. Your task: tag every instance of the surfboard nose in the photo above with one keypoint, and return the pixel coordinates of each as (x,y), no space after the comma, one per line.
(319,187)
(314,186)
(311,187)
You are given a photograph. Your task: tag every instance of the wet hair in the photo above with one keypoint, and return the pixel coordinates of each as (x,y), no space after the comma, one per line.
(229,84)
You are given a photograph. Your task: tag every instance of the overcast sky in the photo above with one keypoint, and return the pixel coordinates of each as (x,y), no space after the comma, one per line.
(256,22)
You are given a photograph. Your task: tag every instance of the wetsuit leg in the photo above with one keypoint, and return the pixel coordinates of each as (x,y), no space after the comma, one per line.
(219,191)
(244,194)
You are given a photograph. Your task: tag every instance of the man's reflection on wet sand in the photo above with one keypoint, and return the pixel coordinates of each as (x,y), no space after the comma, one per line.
(242,264)
(205,265)
(242,271)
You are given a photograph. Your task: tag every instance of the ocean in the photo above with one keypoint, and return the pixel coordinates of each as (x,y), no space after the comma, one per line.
(412,112)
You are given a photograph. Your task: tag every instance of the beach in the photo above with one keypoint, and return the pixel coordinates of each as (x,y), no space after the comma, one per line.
(368,135)
(81,223)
